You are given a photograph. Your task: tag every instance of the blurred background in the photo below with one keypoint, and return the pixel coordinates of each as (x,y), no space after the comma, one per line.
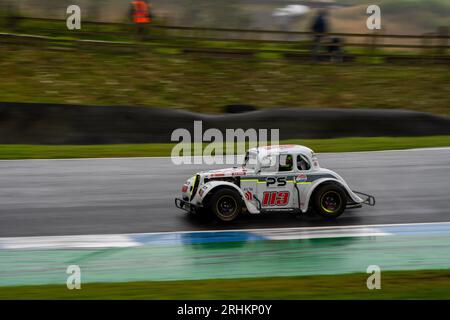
(137,70)
(204,55)
(400,16)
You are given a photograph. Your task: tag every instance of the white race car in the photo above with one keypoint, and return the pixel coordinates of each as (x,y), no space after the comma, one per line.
(272,179)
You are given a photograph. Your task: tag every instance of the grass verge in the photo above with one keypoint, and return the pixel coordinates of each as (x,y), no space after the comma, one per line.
(15,151)
(394,285)
(158,76)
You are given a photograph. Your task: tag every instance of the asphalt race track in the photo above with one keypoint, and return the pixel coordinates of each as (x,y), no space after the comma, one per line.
(132,195)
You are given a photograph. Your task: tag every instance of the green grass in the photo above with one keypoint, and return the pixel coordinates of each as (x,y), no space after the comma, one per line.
(13,151)
(394,285)
(160,76)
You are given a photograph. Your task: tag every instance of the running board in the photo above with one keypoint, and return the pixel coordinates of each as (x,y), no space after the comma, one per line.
(289,210)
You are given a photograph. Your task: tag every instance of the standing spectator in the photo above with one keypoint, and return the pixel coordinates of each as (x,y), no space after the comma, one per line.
(140,15)
(319,27)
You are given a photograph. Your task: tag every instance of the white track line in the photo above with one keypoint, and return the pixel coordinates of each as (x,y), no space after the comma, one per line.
(127,240)
(294,229)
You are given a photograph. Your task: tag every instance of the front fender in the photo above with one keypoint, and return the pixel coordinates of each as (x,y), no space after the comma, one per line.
(317,183)
(209,187)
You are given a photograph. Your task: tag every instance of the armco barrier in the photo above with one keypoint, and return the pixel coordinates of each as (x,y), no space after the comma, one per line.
(22,123)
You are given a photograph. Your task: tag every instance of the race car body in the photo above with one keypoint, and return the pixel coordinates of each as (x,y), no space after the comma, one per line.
(272,178)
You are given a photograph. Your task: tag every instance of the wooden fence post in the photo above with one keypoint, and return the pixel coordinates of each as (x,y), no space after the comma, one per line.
(373,43)
(427,41)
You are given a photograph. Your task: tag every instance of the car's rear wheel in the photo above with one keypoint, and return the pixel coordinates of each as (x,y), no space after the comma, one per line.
(225,205)
(330,201)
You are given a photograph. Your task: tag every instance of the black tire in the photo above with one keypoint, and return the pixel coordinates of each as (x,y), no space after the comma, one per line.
(225,205)
(330,201)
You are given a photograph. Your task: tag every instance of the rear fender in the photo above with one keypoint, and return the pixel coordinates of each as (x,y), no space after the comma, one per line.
(319,182)
(209,187)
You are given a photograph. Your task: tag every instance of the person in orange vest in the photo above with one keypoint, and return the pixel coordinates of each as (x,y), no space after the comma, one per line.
(140,15)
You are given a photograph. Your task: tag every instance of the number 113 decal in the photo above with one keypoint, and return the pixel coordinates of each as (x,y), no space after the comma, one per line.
(275,198)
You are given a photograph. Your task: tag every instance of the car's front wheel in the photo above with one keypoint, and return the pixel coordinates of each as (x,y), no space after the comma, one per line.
(225,204)
(330,201)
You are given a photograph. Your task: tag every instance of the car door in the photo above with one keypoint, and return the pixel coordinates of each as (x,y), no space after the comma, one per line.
(300,180)
(275,187)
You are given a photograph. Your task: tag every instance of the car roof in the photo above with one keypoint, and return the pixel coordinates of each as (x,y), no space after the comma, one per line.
(283,149)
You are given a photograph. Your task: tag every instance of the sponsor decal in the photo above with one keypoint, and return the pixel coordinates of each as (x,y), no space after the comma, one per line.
(184,188)
(220,174)
(248,195)
(275,198)
(301,178)
(202,190)
(276,182)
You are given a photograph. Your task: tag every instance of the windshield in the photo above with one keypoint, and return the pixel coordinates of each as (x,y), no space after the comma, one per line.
(249,161)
